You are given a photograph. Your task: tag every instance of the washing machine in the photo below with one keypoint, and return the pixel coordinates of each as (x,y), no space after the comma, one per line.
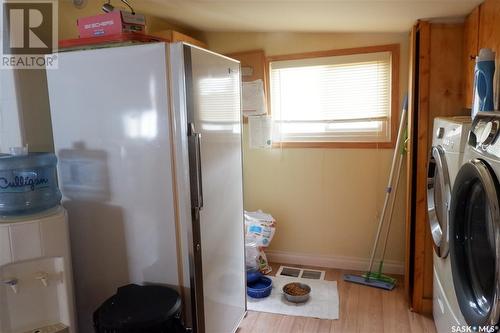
(475,225)
(448,145)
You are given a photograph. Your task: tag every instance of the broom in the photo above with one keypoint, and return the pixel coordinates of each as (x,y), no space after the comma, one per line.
(377,279)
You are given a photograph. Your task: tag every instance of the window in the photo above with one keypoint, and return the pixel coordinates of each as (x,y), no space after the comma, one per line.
(336,98)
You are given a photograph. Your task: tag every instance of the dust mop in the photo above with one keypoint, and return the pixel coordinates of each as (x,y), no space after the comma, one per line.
(377,279)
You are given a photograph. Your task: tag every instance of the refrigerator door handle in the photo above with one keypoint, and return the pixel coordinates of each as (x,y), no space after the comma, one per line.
(198,167)
(197,196)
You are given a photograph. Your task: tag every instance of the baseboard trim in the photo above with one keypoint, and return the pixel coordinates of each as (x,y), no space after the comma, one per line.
(339,262)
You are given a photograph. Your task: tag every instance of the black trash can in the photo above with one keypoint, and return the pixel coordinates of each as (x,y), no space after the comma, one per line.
(140,309)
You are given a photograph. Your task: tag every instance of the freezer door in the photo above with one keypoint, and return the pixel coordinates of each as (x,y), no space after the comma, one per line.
(110,119)
(214,130)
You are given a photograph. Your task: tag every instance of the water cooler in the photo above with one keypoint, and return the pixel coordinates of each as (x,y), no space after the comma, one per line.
(36,289)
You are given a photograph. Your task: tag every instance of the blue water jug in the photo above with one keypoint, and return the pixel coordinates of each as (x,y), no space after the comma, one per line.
(28,183)
(483,82)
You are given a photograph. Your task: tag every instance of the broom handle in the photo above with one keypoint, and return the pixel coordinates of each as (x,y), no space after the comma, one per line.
(391,210)
(388,190)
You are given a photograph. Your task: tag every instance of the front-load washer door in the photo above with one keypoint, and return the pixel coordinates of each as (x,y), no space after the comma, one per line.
(438,200)
(475,242)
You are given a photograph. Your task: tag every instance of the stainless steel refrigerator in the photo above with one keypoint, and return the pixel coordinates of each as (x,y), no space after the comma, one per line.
(149,145)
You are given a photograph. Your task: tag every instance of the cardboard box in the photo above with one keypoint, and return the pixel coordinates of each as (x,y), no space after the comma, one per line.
(112,23)
(175,36)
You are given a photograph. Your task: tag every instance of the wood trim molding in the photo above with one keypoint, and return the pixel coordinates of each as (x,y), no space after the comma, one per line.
(395,59)
(427,305)
(337,52)
(339,144)
(409,165)
(394,49)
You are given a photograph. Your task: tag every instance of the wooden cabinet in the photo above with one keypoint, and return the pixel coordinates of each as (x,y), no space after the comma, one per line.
(435,89)
(489,25)
(481,30)
(471,43)
(175,36)
(253,67)
(442,60)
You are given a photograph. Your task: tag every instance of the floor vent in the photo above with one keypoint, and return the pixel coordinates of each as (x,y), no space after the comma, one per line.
(289,271)
(303,273)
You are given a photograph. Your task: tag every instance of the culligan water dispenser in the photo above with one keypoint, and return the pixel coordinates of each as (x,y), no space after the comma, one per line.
(36,287)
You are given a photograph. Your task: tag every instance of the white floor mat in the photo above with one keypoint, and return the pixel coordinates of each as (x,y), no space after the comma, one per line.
(323,302)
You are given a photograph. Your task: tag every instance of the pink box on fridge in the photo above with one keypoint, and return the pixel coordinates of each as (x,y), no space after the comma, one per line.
(115,22)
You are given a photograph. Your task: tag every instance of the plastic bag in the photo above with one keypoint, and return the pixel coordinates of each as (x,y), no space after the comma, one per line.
(255,258)
(259,227)
(251,256)
(260,216)
(259,232)
(263,263)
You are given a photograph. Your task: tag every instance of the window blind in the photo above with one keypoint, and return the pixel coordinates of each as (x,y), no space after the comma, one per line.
(332,98)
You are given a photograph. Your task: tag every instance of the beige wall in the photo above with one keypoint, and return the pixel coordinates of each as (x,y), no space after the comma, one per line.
(326,201)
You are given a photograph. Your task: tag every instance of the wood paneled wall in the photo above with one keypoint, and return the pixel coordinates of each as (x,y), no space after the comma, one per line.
(471,42)
(446,72)
(436,89)
(441,84)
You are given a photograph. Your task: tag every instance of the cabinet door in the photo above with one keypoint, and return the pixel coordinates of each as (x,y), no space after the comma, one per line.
(471,39)
(489,30)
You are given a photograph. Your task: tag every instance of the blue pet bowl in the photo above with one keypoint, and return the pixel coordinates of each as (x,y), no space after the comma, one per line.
(260,288)
(253,276)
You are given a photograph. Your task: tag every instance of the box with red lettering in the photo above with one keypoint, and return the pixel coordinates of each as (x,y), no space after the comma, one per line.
(115,22)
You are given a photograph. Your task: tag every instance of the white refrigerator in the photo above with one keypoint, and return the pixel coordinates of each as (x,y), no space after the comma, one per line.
(149,144)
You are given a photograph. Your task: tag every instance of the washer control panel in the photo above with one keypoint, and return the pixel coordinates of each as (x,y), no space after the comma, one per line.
(484,133)
(451,133)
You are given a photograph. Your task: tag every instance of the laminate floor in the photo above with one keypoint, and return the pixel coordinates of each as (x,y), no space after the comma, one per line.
(362,309)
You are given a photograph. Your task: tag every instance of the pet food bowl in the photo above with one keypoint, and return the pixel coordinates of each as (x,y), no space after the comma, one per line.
(294,297)
(253,275)
(260,288)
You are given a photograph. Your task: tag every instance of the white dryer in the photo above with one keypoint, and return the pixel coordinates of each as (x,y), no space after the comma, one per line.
(448,144)
(475,225)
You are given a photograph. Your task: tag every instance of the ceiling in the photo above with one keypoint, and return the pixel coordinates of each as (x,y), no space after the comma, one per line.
(303,15)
